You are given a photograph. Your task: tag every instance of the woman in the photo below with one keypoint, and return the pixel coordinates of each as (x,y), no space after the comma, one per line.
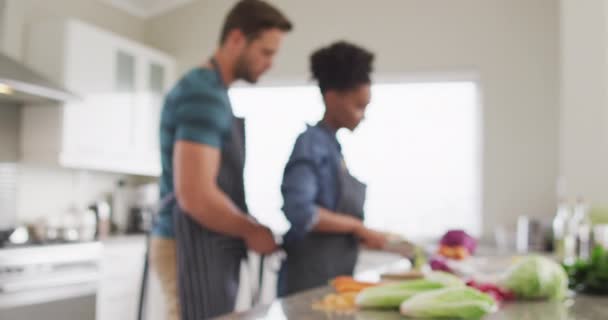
(322,201)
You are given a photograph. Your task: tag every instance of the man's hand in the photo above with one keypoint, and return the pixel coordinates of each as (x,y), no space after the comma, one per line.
(261,240)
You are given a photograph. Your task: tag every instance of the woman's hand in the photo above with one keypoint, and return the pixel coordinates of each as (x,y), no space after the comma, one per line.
(371,238)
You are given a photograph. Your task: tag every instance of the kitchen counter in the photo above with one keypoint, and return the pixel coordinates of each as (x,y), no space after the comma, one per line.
(299,307)
(121,238)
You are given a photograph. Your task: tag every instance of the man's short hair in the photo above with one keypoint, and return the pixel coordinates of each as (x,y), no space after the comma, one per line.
(253,17)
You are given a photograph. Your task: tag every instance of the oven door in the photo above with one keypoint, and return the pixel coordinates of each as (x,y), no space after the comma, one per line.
(55,282)
(76,301)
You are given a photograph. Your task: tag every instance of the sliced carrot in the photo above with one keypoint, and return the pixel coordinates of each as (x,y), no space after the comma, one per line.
(345,284)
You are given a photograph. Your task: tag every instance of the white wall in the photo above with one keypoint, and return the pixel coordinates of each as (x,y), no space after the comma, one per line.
(44,191)
(513,45)
(584,89)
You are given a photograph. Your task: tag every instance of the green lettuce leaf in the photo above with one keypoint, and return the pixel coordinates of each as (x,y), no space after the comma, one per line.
(390,296)
(536,277)
(455,302)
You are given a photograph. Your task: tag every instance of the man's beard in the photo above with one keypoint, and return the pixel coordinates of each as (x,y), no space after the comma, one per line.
(242,70)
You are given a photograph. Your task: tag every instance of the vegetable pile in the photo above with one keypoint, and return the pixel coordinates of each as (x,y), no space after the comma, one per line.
(343,300)
(590,276)
(444,295)
(438,295)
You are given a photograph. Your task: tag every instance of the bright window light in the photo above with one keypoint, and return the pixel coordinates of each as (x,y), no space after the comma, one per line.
(418,150)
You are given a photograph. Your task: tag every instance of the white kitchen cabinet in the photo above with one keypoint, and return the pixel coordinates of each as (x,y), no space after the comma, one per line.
(114,127)
(121,269)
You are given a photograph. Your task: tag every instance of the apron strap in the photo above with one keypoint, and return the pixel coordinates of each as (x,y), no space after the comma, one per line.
(218,72)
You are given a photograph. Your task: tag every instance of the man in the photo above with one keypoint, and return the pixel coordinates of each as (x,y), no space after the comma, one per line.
(202,148)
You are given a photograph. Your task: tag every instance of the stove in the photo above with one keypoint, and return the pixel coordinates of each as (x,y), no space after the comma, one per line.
(54,281)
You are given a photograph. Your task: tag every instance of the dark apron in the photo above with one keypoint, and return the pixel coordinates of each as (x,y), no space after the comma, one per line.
(209,262)
(318,257)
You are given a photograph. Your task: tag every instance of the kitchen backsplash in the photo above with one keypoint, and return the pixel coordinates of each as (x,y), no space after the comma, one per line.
(46,191)
(28,192)
(9,152)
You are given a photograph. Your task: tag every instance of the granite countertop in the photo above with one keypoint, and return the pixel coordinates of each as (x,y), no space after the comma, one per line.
(299,307)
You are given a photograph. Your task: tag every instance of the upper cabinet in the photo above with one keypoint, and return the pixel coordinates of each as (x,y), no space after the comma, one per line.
(114,127)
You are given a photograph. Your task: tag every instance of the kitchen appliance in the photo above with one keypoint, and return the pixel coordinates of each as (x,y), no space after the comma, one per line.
(530,235)
(72,227)
(122,202)
(146,199)
(19,84)
(19,235)
(103,221)
(52,282)
(140,220)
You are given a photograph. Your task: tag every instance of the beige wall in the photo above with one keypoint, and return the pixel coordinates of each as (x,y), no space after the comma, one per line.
(9,128)
(9,132)
(2,22)
(22,13)
(513,45)
(44,191)
(584,89)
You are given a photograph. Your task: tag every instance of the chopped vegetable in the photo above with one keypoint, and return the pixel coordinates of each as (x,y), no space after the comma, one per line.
(401,276)
(349,284)
(337,302)
(392,295)
(536,277)
(420,258)
(448,280)
(458,302)
(454,252)
(439,264)
(499,294)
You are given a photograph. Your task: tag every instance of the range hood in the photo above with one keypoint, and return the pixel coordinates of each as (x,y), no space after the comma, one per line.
(19,84)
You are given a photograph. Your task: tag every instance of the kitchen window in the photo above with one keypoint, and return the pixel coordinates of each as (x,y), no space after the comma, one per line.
(418,150)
